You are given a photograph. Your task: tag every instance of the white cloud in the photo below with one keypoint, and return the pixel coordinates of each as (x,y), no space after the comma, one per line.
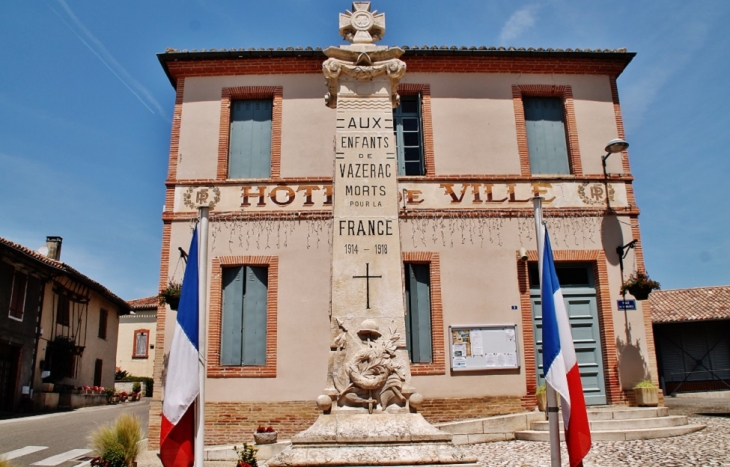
(97,48)
(520,21)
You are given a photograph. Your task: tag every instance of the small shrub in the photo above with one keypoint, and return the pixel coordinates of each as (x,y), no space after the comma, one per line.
(246,456)
(541,389)
(136,387)
(116,440)
(644,383)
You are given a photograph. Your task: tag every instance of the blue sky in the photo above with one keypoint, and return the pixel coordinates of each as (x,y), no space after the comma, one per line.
(85,111)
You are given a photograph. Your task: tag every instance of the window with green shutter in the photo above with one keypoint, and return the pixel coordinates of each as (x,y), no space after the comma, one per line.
(243,326)
(418,312)
(546,135)
(249,144)
(408,129)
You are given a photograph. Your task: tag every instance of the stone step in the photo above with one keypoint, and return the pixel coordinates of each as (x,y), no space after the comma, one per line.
(623,424)
(616,435)
(623,413)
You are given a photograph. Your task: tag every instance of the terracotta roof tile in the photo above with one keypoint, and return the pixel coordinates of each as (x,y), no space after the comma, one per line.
(697,304)
(147,303)
(68,270)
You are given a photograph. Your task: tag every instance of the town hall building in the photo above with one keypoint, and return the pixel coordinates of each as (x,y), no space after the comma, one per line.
(477,133)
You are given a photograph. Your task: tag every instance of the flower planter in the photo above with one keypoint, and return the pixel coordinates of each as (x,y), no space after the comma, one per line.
(640,293)
(646,397)
(265,438)
(173,302)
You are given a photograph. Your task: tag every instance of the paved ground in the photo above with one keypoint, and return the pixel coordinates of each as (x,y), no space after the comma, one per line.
(708,447)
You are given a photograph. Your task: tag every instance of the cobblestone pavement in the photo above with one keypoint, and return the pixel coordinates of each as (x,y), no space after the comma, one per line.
(708,447)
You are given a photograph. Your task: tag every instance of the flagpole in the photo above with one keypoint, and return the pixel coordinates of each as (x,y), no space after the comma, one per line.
(552,400)
(202,333)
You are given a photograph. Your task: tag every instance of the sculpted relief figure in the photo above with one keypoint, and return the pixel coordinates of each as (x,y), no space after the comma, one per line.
(366,372)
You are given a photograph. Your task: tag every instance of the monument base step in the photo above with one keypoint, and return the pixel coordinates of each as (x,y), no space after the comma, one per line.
(349,439)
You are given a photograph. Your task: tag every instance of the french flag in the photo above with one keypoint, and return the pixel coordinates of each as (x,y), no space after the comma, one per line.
(561,365)
(182,386)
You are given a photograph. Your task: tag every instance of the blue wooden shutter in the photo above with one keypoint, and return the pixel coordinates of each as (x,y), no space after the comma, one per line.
(232,319)
(546,137)
(418,312)
(249,146)
(254,316)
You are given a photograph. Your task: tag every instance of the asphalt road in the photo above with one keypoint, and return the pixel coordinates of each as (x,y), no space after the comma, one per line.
(62,432)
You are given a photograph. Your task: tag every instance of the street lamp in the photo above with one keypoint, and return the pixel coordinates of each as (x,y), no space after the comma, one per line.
(613,146)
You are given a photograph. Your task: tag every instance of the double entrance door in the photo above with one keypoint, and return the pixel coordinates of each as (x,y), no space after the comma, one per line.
(579,291)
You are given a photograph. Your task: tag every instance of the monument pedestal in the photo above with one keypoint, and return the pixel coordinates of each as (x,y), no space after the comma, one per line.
(398,439)
(368,403)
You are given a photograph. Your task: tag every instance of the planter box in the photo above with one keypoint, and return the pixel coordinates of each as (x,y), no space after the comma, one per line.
(265,438)
(646,397)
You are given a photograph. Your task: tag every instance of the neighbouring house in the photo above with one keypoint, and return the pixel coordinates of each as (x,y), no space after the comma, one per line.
(137,332)
(57,326)
(692,338)
(479,132)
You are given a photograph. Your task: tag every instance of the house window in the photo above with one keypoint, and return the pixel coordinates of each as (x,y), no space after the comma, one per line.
(408,129)
(546,135)
(103,316)
(418,312)
(243,324)
(141,343)
(62,310)
(249,146)
(98,365)
(17,296)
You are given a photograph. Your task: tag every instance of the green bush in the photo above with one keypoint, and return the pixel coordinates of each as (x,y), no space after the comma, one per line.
(119,438)
(148,383)
(246,456)
(136,387)
(541,389)
(644,383)
(113,457)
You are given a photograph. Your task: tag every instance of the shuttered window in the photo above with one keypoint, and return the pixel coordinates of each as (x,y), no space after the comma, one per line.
(103,317)
(243,332)
(418,312)
(141,339)
(407,126)
(249,147)
(546,137)
(17,298)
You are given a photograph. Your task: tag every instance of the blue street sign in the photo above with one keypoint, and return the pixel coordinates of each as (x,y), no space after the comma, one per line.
(626,304)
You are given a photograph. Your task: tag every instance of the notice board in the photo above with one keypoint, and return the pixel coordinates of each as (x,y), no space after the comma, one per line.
(487,347)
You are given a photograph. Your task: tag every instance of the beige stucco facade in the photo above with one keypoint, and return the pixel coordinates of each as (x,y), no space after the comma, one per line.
(137,363)
(468,215)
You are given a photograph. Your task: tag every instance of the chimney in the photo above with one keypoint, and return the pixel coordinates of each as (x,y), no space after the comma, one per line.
(54,247)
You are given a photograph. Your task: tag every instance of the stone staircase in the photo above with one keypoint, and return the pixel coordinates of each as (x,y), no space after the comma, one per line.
(621,424)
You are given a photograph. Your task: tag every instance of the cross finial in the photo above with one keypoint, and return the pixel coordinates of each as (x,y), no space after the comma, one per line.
(360,26)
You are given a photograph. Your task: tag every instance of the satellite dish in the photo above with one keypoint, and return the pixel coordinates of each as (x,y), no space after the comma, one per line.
(43,250)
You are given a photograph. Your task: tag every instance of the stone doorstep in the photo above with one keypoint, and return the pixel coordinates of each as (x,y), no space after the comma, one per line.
(623,413)
(491,428)
(616,435)
(624,424)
